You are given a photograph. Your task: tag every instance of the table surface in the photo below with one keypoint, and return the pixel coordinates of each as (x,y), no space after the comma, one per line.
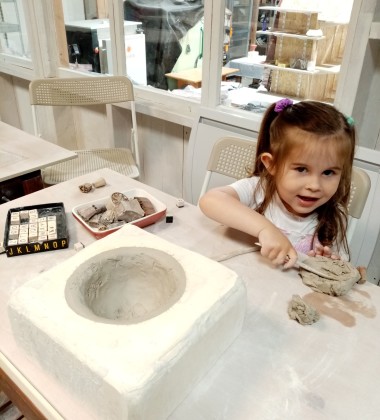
(275,369)
(251,67)
(22,153)
(195,75)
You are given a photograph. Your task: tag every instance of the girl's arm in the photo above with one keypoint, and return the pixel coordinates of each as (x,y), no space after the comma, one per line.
(223,205)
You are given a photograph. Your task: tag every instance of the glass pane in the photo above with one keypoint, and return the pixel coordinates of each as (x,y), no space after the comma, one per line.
(84,23)
(89,45)
(135,52)
(290,48)
(13,36)
(173,35)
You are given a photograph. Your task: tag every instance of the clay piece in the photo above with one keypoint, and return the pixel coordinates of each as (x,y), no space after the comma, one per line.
(95,220)
(300,311)
(88,187)
(107,217)
(124,208)
(363,274)
(100,182)
(146,205)
(88,212)
(342,275)
(85,188)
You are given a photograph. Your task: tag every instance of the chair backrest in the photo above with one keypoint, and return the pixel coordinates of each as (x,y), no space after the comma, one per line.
(360,186)
(82,91)
(230,156)
(234,157)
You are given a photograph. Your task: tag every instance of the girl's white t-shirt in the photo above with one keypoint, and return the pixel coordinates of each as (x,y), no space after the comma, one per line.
(299,230)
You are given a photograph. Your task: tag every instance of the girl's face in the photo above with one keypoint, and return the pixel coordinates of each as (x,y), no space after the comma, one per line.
(309,178)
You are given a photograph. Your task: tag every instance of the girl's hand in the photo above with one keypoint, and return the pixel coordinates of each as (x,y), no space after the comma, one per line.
(276,247)
(324,251)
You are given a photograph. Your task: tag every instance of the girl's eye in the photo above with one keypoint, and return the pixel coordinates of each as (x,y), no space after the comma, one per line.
(328,172)
(301,169)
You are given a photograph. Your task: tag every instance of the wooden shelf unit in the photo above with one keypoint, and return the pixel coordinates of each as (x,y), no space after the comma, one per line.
(302,66)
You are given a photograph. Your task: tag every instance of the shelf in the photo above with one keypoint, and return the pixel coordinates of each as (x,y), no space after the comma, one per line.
(290,35)
(334,22)
(288,38)
(282,9)
(327,69)
(9,27)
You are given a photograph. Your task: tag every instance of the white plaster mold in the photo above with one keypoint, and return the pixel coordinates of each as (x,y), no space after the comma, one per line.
(139,358)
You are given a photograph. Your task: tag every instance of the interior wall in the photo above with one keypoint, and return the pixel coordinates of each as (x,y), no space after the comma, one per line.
(73,10)
(92,130)
(367,104)
(163,148)
(9,109)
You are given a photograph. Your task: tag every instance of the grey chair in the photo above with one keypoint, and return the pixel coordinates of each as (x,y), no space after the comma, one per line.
(360,187)
(230,156)
(86,91)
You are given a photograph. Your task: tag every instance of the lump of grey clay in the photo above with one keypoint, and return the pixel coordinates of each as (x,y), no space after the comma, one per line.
(301,311)
(340,275)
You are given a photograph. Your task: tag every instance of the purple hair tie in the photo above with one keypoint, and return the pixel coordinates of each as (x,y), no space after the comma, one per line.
(282,104)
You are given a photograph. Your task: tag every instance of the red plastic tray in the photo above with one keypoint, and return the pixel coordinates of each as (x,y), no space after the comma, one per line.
(144,221)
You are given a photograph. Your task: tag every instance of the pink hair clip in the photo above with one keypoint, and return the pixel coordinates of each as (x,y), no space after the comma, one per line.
(282,104)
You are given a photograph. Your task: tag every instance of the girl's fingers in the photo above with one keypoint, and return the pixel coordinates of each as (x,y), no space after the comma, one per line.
(327,252)
(290,259)
(324,251)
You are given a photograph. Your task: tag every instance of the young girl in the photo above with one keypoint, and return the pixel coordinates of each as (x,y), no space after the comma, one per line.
(296,198)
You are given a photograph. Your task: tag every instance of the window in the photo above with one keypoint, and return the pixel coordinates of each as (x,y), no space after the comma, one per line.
(87,29)
(13,36)
(173,33)
(262,49)
(288,48)
(159,37)
(270,48)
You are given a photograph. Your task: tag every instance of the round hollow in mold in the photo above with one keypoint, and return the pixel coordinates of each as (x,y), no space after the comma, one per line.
(125,285)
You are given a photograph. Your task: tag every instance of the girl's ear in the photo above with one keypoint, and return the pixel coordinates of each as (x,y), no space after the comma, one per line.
(267,160)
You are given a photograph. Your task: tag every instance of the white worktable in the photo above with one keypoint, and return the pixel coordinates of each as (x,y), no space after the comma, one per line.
(22,153)
(251,67)
(275,370)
